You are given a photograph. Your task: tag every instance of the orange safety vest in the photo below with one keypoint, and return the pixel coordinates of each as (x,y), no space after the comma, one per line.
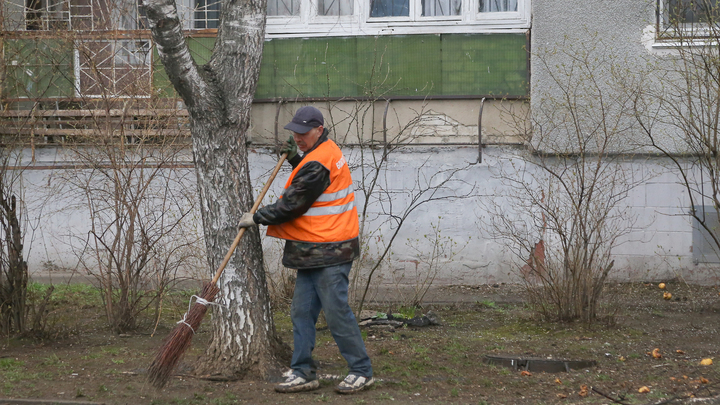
(333,216)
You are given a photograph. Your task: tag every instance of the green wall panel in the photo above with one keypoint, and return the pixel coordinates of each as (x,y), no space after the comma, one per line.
(38,68)
(390,66)
(484,64)
(315,67)
(410,65)
(399,65)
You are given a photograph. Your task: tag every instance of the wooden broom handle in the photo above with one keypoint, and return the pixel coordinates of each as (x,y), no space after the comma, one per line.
(254,208)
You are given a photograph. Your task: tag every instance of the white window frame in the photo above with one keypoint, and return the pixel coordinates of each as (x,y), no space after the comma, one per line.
(309,24)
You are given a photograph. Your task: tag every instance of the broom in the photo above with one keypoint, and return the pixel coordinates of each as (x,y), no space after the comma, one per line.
(181,336)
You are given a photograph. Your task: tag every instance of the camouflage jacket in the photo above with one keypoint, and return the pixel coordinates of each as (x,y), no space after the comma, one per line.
(307,185)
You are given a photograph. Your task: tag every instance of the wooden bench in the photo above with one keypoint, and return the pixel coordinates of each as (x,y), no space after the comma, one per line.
(89,126)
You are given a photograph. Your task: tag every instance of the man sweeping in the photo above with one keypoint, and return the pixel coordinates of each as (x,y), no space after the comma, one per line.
(317,217)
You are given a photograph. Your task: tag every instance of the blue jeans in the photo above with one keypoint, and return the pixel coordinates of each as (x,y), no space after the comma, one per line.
(325,288)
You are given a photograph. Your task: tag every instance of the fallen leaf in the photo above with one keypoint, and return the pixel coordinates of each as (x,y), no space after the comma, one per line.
(525,373)
(706,362)
(704,380)
(557,381)
(622,358)
(656,353)
(561,396)
(644,390)
(583,391)
(678,351)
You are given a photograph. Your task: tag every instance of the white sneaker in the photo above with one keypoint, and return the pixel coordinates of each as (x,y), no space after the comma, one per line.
(354,383)
(295,383)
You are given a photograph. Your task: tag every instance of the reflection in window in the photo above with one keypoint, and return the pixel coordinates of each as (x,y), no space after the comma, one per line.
(283,7)
(207,13)
(491,6)
(440,7)
(130,53)
(126,15)
(42,14)
(692,11)
(33,15)
(389,8)
(335,7)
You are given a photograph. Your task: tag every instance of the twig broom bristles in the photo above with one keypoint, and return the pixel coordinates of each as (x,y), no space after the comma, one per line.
(178,341)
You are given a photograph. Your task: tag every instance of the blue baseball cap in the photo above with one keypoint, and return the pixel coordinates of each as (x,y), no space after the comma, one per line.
(305,119)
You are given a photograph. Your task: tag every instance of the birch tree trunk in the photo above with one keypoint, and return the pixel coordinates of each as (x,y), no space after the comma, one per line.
(219,98)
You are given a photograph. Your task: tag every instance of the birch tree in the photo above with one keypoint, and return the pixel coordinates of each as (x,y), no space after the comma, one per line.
(218,97)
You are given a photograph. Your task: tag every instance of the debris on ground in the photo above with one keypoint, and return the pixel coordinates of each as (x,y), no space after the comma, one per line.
(398,320)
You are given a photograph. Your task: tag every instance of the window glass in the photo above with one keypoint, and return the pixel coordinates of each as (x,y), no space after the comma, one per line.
(491,6)
(40,14)
(335,7)
(441,7)
(389,8)
(283,7)
(124,15)
(13,13)
(207,13)
(692,11)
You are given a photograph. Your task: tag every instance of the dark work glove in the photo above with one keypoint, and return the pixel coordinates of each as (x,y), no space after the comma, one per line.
(289,147)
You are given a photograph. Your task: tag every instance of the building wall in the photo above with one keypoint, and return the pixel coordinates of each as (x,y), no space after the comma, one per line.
(657,247)
(612,38)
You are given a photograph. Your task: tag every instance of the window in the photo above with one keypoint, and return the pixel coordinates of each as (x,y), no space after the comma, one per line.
(288,18)
(128,15)
(117,68)
(317,18)
(401,8)
(692,11)
(283,7)
(37,14)
(335,7)
(207,13)
(687,18)
(199,14)
(492,6)
(389,8)
(469,13)
(441,7)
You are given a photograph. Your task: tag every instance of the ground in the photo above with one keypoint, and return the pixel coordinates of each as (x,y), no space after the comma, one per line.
(82,361)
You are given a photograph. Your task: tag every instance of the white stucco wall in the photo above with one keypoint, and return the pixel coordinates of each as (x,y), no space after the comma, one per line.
(657,247)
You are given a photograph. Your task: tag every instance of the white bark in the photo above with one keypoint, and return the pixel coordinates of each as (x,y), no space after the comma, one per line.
(219,98)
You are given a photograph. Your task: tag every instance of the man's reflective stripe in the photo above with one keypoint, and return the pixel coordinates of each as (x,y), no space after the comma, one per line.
(332,210)
(336,195)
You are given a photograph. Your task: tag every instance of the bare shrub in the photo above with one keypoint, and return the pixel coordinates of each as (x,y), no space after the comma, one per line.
(13,267)
(561,210)
(139,205)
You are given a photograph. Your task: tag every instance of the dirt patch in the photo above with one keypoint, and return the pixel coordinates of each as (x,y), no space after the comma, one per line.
(84,362)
